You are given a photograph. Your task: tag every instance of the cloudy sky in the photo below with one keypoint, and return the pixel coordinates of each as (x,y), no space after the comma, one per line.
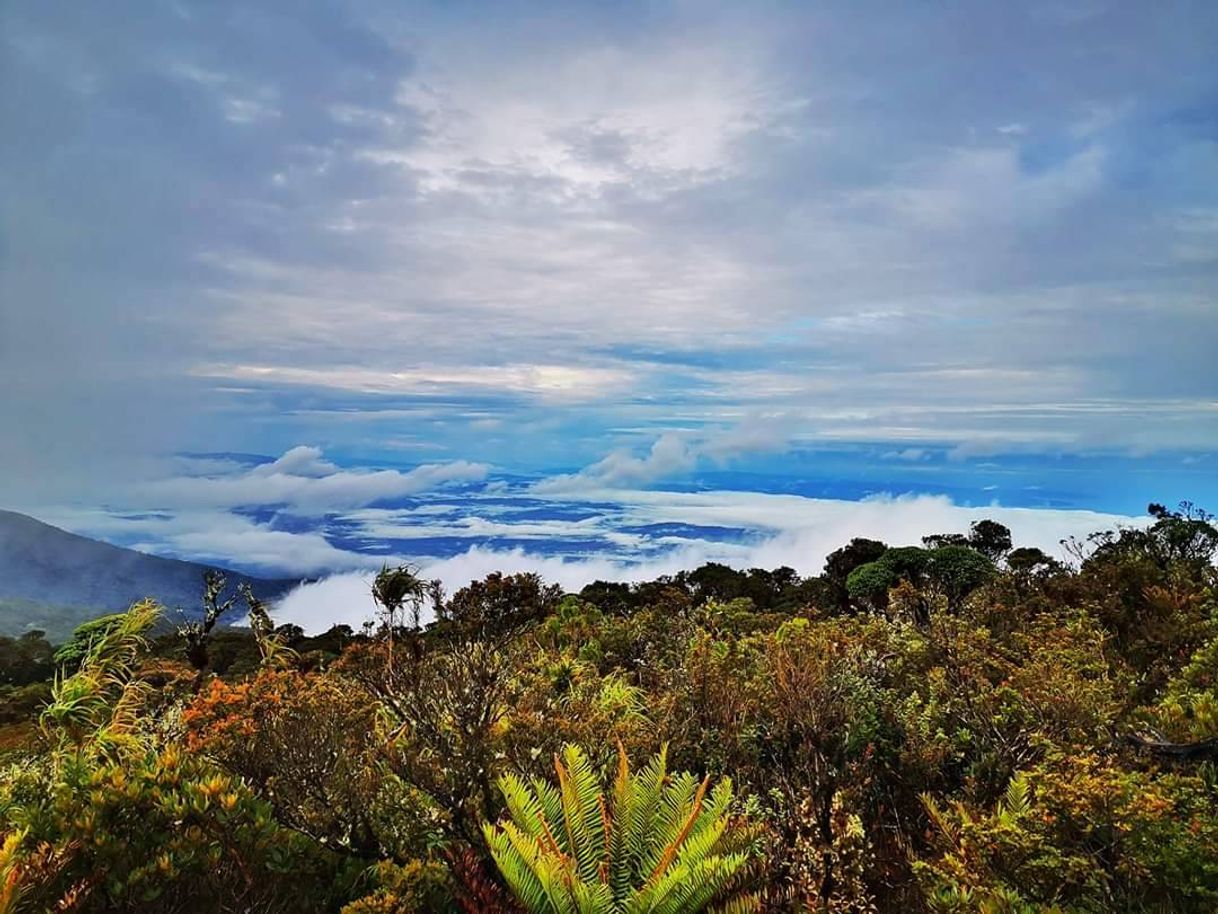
(268,269)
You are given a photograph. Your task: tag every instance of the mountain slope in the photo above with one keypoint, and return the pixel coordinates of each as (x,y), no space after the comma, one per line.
(54,580)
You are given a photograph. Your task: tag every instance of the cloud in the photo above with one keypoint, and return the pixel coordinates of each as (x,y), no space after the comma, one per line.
(531,240)
(302,460)
(224,539)
(674,454)
(347,598)
(550,383)
(971,188)
(794,531)
(803,530)
(340,599)
(304,481)
(468,522)
(670,455)
(595,117)
(215,537)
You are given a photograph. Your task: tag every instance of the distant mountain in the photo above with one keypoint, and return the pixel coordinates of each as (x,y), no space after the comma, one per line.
(54,580)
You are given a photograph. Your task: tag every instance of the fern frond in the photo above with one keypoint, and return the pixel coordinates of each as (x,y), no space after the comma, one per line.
(650,845)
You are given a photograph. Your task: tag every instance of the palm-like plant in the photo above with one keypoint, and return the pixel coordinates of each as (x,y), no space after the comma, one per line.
(655,843)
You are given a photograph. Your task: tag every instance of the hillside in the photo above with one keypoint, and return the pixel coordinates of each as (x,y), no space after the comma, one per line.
(53,580)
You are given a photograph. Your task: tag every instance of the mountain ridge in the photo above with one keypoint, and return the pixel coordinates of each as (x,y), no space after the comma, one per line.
(52,579)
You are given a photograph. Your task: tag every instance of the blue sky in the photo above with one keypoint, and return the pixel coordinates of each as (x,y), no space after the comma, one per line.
(831,251)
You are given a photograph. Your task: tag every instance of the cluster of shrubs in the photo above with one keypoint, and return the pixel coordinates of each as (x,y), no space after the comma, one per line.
(959,727)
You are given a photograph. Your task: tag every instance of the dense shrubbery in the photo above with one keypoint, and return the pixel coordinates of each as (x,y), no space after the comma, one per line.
(963,726)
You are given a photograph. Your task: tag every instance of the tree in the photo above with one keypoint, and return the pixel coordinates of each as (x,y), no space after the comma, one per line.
(1030,560)
(1186,539)
(196,634)
(990,538)
(442,714)
(958,571)
(400,593)
(955,570)
(1078,833)
(73,651)
(305,741)
(612,597)
(715,581)
(499,605)
(839,565)
(935,540)
(653,842)
(868,584)
(822,729)
(27,659)
(113,819)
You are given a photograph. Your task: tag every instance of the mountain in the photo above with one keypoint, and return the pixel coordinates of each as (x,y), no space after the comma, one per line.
(54,580)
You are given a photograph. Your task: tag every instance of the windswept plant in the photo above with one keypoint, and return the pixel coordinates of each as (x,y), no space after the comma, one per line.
(98,704)
(119,817)
(271,645)
(654,842)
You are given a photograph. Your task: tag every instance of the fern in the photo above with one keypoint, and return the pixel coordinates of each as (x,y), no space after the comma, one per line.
(651,843)
(1017,801)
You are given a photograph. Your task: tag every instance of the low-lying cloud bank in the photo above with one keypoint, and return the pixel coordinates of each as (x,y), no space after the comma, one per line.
(799,532)
(301,514)
(304,480)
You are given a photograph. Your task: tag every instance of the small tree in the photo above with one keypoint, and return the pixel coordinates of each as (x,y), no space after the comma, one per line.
(401,593)
(990,538)
(839,564)
(958,571)
(196,634)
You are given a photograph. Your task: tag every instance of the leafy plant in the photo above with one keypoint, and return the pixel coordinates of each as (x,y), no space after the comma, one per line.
(116,818)
(652,843)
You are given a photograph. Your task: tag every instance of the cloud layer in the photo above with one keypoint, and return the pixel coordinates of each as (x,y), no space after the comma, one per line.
(302,480)
(793,531)
(303,515)
(532,236)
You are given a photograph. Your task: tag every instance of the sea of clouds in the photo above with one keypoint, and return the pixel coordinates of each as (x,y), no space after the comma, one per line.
(775,530)
(332,527)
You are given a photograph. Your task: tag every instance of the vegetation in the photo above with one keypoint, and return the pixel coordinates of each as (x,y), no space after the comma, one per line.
(652,843)
(961,726)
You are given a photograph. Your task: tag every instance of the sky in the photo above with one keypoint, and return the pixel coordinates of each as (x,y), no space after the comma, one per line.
(279,280)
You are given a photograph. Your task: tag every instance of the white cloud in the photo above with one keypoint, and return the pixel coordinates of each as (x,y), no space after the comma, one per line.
(669,455)
(215,537)
(375,524)
(546,382)
(674,454)
(781,210)
(304,481)
(795,531)
(340,599)
(346,598)
(225,539)
(801,531)
(302,460)
(970,188)
(665,113)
